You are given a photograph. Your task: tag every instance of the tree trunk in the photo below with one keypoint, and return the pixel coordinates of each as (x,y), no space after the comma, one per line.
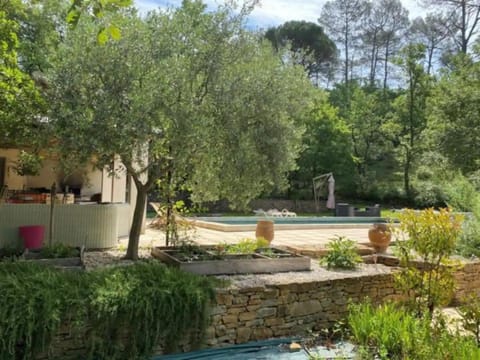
(385,75)
(406,174)
(136,228)
(464,27)
(430,59)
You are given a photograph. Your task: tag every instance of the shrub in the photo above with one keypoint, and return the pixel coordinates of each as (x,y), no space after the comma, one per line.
(428,193)
(342,254)
(390,332)
(470,313)
(431,239)
(386,331)
(128,310)
(462,195)
(469,241)
(244,246)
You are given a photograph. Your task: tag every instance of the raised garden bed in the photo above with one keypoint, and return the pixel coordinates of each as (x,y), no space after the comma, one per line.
(71,261)
(207,261)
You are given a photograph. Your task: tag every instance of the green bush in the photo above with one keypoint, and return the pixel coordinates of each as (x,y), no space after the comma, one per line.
(469,242)
(389,332)
(431,238)
(427,194)
(127,310)
(461,195)
(342,254)
(246,246)
(470,314)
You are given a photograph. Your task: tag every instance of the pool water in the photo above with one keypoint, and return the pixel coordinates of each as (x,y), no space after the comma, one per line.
(249,223)
(249,220)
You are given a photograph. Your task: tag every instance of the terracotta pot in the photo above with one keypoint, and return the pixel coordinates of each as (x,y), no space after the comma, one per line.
(265,229)
(380,237)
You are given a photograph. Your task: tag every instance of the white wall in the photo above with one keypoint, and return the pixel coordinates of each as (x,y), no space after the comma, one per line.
(112,188)
(93,185)
(12,179)
(46,177)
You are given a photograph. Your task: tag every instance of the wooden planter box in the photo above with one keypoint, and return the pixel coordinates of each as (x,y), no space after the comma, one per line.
(70,263)
(256,263)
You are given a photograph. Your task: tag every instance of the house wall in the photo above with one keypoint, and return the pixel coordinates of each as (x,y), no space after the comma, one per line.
(94,183)
(12,179)
(46,177)
(92,226)
(112,188)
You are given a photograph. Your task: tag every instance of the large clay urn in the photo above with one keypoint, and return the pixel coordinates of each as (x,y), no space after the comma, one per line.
(380,237)
(265,229)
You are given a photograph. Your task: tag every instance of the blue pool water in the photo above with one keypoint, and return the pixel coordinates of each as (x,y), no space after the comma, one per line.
(299,220)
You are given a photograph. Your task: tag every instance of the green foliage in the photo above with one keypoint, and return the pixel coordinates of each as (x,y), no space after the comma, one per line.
(410,122)
(97,9)
(461,194)
(470,313)
(59,250)
(431,239)
(206,102)
(28,164)
(455,107)
(126,310)
(309,45)
(326,137)
(469,242)
(244,246)
(21,102)
(390,332)
(428,193)
(342,254)
(386,331)
(372,153)
(10,253)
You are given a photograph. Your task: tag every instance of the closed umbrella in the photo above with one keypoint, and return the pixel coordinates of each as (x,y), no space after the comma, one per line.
(331,193)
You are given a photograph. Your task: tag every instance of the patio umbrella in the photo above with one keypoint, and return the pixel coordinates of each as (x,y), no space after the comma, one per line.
(331,195)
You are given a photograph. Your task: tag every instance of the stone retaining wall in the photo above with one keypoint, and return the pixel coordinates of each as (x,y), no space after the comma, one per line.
(257,313)
(467,281)
(285,306)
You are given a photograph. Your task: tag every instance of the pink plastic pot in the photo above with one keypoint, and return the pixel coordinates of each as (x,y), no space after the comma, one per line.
(32,236)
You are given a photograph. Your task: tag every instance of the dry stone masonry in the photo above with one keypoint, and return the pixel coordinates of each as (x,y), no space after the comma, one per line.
(256,307)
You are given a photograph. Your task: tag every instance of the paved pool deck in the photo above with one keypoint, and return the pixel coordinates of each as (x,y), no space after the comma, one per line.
(307,242)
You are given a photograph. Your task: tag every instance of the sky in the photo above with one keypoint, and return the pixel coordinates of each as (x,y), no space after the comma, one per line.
(274,12)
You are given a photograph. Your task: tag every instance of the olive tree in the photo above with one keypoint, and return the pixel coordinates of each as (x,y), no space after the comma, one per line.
(185,96)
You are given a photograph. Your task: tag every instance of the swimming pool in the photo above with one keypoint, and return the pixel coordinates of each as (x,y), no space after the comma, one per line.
(249,223)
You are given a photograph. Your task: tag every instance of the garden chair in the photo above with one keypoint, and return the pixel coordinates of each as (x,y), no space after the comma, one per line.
(286,213)
(274,213)
(259,212)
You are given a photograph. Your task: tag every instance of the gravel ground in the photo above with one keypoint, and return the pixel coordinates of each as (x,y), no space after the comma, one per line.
(317,273)
(96,259)
(114,257)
